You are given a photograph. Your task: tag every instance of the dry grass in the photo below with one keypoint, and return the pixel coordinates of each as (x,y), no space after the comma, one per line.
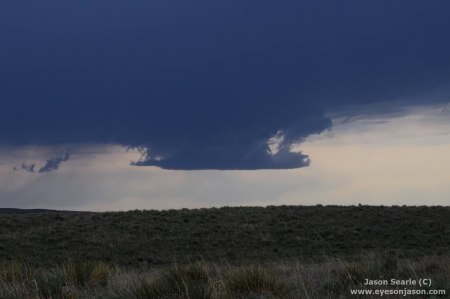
(287,279)
(226,253)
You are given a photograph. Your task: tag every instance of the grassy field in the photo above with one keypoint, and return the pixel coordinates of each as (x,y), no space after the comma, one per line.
(231,252)
(291,279)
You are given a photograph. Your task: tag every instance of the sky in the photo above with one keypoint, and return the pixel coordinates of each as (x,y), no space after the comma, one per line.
(114,105)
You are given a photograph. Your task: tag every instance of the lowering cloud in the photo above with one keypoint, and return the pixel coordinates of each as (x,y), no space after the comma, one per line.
(53,164)
(208,85)
(26,167)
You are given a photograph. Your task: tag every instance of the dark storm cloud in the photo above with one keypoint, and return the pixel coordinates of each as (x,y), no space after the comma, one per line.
(53,164)
(205,84)
(26,167)
(242,158)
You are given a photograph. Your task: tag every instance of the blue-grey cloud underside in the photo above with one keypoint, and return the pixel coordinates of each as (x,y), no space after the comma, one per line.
(53,164)
(204,84)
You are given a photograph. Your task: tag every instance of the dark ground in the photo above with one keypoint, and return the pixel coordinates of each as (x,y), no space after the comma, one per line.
(234,234)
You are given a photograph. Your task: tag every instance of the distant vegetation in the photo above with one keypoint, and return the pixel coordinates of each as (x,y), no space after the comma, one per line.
(231,252)
(230,233)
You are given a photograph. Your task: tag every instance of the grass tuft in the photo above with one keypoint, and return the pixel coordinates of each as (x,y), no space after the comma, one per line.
(175,282)
(52,285)
(255,280)
(15,271)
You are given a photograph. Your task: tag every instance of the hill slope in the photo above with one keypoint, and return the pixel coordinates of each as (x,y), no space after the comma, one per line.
(231,233)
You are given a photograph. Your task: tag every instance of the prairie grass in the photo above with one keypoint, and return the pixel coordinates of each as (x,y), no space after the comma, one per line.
(289,252)
(288,279)
(236,234)
(186,281)
(15,271)
(255,281)
(83,273)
